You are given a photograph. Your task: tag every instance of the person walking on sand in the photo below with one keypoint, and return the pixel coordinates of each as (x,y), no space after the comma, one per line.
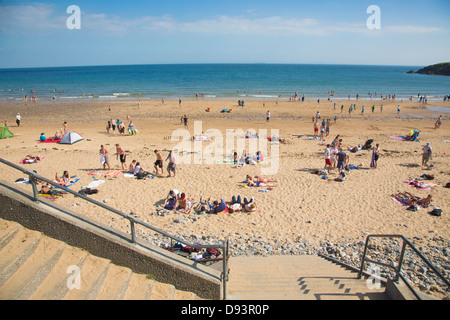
(159,162)
(438,123)
(316,129)
(426,156)
(121,153)
(375,156)
(104,157)
(327,154)
(172,166)
(185,120)
(268,116)
(18,119)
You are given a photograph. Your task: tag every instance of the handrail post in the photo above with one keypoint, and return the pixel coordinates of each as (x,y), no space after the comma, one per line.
(133,233)
(400,261)
(35,190)
(363,258)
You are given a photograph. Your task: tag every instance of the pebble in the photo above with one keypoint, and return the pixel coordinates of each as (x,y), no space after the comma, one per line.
(386,250)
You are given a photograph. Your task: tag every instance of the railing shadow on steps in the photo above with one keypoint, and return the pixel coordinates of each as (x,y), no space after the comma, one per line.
(398,270)
(34,177)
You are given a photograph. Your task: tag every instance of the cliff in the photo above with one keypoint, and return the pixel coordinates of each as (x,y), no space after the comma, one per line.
(441,69)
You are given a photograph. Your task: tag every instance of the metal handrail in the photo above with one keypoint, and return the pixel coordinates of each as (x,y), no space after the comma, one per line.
(398,270)
(33,177)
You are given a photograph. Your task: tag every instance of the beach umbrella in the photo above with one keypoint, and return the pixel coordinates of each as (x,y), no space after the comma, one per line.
(71,138)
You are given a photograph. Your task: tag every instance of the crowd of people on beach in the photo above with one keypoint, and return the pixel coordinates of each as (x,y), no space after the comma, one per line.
(337,158)
(178,202)
(113,124)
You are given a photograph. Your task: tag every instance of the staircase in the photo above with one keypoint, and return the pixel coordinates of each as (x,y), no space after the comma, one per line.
(295,278)
(33,266)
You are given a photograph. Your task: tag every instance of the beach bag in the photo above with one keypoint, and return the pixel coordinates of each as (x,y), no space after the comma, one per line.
(213,252)
(88,191)
(447,185)
(436,212)
(427,177)
(140,175)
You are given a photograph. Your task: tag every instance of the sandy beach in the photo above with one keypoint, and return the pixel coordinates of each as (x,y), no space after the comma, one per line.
(302,206)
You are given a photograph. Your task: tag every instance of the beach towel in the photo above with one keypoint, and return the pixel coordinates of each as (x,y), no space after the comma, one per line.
(94,184)
(107,174)
(128,175)
(113,173)
(23,180)
(72,182)
(421,185)
(50,140)
(407,205)
(95,173)
(403,138)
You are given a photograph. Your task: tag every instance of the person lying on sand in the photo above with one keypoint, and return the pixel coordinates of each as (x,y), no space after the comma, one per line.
(251,183)
(218,207)
(425,202)
(235,205)
(30,159)
(250,206)
(260,179)
(50,191)
(408,199)
(202,207)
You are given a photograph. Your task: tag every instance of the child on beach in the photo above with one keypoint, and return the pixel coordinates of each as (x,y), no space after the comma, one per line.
(316,129)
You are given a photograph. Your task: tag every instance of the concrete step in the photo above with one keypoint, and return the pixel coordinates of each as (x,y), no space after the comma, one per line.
(295,278)
(139,288)
(36,267)
(28,277)
(15,250)
(55,285)
(115,284)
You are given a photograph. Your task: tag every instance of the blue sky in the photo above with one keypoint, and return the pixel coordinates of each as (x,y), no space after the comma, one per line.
(34,33)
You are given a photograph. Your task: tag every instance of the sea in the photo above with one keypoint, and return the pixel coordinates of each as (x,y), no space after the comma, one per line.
(219,82)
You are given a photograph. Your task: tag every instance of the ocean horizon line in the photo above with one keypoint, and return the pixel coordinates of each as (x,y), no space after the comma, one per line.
(218,64)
